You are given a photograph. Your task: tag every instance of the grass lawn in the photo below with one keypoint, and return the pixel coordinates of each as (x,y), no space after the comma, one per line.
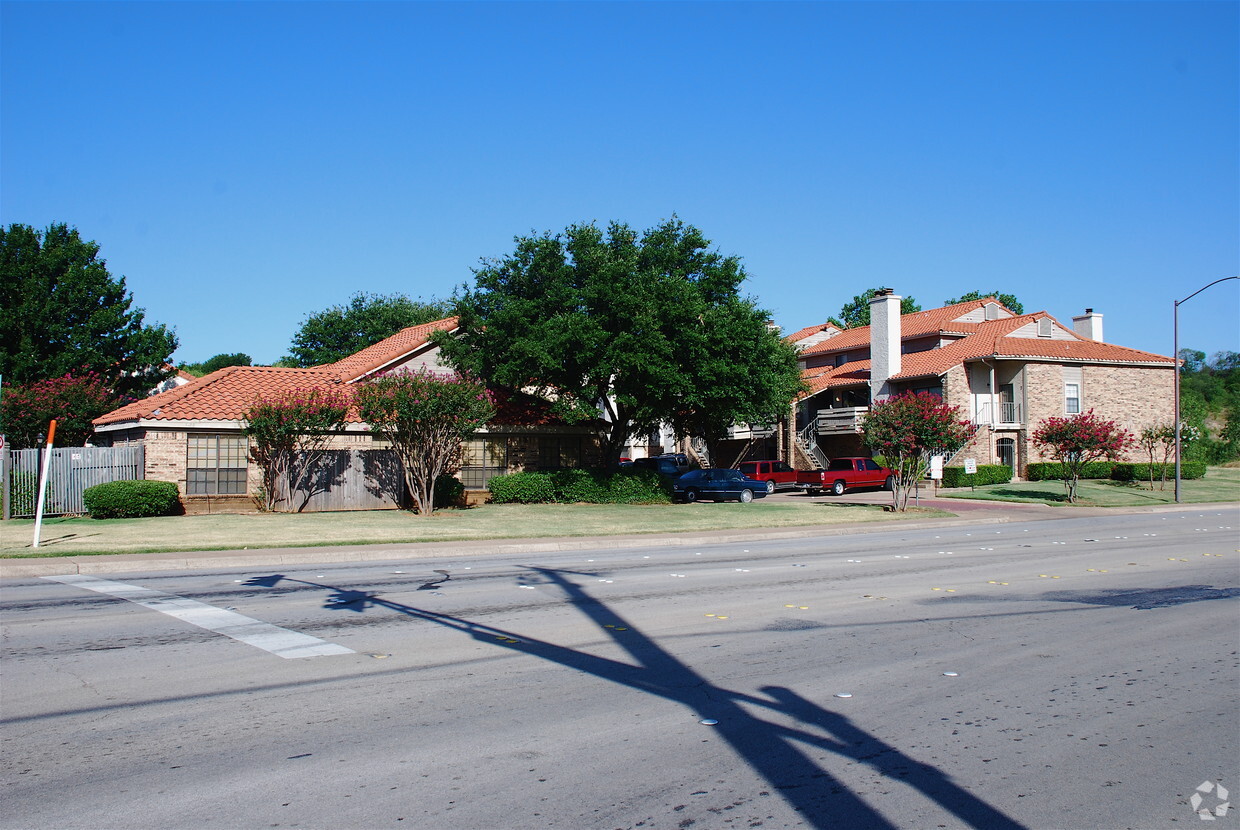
(76,536)
(1220,484)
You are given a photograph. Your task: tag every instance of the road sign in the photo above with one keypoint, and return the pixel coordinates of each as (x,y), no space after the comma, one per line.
(970,465)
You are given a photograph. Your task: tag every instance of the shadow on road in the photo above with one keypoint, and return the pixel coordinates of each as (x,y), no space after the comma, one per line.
(771,748)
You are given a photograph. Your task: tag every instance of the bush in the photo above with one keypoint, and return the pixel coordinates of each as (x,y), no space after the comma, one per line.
(572,486)
(23,492)
(521,488)
(1141,472)
(1053,470)
(449,492)
(131,499)
(986,474)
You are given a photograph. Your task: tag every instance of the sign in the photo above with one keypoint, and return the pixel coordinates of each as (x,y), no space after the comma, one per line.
(936,467)
(970,465)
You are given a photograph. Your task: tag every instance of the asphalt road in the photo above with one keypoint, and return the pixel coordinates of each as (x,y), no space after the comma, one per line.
(1078,673)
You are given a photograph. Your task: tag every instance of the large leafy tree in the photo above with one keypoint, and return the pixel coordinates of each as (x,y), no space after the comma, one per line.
(856,312)
(337,332)
(219,361)
(425,416)
(62,312)
(908,430)
(1007,300)
(634,329)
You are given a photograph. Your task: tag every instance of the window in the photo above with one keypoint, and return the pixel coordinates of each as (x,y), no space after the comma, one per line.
(1072,398)
(559,452)
(483,459)
(871,465)
(1007,451)
(1045,327)
(216,465)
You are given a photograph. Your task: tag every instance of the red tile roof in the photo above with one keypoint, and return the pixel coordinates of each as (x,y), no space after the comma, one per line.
(917,324)
(809,331)
(387,351)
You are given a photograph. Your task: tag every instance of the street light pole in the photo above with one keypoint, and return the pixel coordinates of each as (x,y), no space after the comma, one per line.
(1175,355)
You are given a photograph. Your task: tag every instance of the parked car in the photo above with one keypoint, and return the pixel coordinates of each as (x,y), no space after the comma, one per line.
(661,465)
(717,485)
(844,474)
(774,473)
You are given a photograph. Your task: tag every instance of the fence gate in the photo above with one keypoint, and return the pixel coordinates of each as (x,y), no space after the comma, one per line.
(71,471)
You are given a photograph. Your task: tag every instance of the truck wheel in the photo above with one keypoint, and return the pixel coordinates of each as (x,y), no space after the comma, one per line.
(691,496)
(746,496)
(837,489)
(770,487)
(890,483)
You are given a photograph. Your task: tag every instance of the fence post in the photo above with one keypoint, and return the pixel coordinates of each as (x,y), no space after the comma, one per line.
(5,484)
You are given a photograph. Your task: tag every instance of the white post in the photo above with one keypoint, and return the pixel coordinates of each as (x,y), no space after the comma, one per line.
(47,460)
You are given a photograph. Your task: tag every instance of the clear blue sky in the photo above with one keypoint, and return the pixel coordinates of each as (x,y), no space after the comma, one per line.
(246,164)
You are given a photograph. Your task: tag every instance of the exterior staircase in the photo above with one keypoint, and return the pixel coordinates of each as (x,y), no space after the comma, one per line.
(807,441)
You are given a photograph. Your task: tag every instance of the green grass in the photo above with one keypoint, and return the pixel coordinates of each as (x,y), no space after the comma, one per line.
(1219,485)
(77,536)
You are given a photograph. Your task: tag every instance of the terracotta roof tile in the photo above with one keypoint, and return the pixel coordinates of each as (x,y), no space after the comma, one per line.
(388,350)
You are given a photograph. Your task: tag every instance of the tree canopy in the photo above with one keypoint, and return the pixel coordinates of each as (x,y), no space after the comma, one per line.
(337,332)
(62,313)
(219,361)
(1008,300)
(856,312)
(908,430)
(636,329)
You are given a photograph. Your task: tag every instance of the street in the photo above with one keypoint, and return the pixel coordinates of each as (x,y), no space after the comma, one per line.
(1071,673)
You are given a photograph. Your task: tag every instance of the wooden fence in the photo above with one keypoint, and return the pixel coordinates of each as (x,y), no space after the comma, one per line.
(70,472)
(352,480)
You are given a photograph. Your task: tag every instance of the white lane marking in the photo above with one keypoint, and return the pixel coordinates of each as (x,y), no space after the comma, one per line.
(268,637)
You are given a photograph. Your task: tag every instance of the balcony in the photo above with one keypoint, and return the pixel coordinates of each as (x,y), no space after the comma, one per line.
(844,421)
(748,432)
(1010,414)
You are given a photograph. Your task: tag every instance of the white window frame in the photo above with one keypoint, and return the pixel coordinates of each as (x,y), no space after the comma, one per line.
(1072,402)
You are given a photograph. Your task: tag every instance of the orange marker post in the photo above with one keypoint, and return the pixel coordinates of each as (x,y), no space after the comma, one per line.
(47,461)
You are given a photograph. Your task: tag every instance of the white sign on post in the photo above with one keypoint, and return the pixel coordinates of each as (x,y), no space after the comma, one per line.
(936,467)
(970,465)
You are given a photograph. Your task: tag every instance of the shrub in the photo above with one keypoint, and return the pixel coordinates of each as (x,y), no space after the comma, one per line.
(572,486)
(986,474)
(23,491)
(449,492)
(521,488)
(131,499)
(1141,472)
(1054,471)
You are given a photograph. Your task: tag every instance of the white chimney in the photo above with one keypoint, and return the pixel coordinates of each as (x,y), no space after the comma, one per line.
(1088,325)
(884,342)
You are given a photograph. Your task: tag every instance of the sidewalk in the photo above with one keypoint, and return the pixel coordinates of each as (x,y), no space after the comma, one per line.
(969,513)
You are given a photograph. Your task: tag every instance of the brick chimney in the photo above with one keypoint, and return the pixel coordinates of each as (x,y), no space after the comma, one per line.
(1088,325)
(884,342)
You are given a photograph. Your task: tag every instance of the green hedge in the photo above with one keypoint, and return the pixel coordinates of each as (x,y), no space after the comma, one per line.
(449,492)
(986,474)
(571,486)
(131,499)
(1053,470)
(1141,472)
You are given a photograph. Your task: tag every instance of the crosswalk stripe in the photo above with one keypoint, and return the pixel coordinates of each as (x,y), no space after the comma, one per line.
(272,638)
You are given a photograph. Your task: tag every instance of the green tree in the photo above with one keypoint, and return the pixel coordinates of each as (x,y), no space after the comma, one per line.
(73,401)
(1077,440)
(220,361)
(1009,301)
(425,416)
(856,313)
(632,329)
(337,332)
(62,313)
(908,430)
(289,434)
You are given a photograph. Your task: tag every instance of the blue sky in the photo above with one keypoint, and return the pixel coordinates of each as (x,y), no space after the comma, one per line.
(246,164)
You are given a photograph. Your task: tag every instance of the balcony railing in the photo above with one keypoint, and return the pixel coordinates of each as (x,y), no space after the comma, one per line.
(840,421)
(1009,414)
(751,431)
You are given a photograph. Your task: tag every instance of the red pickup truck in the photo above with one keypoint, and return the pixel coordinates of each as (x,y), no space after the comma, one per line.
(844,474)
(774,473)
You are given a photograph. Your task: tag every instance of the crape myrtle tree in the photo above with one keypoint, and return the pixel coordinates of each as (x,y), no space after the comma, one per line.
(62,313)
(633,329)
(73,401)
(425,416)
(908,430)
(289,434)
(337,332)
(1077,440)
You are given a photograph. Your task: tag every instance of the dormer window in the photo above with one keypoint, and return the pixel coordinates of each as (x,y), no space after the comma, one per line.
(1045,327)
(992,311)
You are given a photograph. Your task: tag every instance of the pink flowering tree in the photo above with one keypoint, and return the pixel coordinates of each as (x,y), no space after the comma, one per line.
(289,435)
(1077,440)
(425,416)
(908,430)
(73,400)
